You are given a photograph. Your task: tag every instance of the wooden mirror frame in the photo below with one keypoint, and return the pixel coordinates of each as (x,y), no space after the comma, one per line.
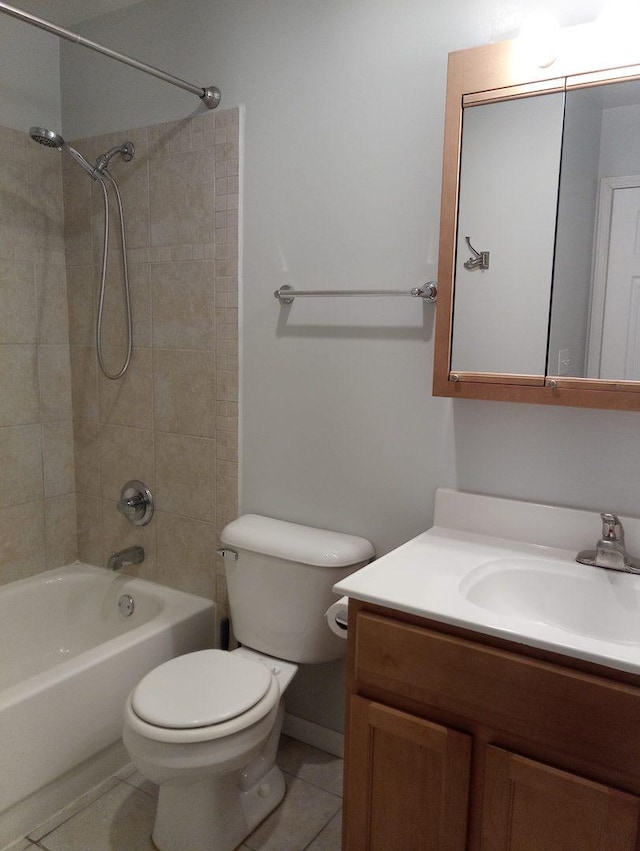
(498,72)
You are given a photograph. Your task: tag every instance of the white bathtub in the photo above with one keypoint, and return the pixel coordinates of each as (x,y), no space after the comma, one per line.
(68,660)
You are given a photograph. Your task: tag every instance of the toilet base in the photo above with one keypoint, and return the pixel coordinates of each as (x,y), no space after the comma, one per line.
(216,813)
(263,798)
(212,814)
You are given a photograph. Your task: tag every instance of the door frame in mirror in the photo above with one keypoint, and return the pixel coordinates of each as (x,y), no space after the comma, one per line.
(497,72)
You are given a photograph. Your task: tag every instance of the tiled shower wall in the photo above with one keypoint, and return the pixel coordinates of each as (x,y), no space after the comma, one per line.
(172,420)
(37,501)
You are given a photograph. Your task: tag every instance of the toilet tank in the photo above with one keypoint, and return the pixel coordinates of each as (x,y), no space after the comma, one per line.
(280,585)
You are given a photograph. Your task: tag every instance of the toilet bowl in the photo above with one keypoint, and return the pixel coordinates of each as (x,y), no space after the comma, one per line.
(205,726)
(211,750)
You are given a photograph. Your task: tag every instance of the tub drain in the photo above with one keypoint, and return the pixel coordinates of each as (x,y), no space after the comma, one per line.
(126,605)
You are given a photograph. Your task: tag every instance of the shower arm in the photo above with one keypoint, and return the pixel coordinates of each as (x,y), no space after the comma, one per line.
(210,95)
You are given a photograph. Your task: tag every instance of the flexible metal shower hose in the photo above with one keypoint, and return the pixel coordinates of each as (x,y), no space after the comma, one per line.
(127,295)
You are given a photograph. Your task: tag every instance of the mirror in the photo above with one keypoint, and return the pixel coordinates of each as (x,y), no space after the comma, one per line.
(595,311)
(509,174)
(539,275)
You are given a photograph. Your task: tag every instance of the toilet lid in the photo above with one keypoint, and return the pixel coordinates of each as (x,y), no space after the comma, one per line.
(200,689)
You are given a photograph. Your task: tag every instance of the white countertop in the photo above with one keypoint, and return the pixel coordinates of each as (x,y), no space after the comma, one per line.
(430,576)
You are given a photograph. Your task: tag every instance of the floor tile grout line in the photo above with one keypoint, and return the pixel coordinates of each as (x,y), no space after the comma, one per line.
(311,783)
(324,826)
(111,782)
(139,789)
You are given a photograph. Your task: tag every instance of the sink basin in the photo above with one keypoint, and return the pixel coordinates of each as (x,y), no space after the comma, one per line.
(588,601)
(506,569)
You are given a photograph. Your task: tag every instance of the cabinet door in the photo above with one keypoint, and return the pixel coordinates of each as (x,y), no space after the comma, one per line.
(529,806)
(407,782)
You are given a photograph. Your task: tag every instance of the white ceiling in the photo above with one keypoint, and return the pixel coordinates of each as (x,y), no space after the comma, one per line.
(67,12)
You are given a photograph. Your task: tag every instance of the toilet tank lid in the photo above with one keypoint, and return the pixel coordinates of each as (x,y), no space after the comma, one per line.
(294,542)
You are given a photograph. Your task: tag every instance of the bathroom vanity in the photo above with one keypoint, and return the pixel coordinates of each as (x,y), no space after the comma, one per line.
(478,715)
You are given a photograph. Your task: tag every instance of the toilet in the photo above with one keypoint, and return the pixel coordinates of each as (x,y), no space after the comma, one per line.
(205,726)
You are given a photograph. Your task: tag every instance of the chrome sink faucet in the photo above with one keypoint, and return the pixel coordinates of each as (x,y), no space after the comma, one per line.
(132,555)
(610,551)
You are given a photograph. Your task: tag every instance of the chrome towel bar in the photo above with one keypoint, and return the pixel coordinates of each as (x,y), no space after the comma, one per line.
(427,292)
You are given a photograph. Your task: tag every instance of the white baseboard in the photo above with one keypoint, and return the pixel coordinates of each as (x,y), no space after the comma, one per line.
(313,734)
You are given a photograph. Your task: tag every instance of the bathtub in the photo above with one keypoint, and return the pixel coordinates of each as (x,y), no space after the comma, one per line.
(69,656)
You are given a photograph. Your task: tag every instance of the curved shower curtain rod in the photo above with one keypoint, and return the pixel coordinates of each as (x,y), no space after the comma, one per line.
(210,95)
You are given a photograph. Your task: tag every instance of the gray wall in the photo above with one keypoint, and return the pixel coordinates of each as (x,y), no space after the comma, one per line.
(29,77)
(344,121)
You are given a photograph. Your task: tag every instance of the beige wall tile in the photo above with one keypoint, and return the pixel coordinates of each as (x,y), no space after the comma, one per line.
(172,137)
(21,465)
(114,316)
(170,214)
(84,382)
(187,179)
(59,470)
(77,218)
(80,295)
(87,457)
(183,304)
(22,541)
(51,302)
(110,445)
(225,514)
(54,369)
(89,521)
(186,554)
(227,385)
(184,392)
(227,446)
(185,475)
(19,385)
(17,297)
(61,540)
(226,483)
(47,220)
(125,453)
(127,401)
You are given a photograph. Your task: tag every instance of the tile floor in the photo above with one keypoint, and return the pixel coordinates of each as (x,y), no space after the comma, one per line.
(118,814)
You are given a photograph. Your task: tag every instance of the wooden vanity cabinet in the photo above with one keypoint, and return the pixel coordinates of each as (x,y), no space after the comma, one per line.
(460,742)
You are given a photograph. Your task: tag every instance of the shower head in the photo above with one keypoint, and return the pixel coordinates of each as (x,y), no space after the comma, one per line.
(51,139)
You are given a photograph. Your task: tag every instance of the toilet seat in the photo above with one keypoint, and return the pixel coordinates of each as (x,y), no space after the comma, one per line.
(200,689)
(160,706)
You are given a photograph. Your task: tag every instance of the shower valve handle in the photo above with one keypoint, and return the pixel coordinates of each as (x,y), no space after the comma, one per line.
(136,503)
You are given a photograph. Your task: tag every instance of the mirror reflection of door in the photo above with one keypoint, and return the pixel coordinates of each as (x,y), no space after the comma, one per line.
(595,310)
(614,338)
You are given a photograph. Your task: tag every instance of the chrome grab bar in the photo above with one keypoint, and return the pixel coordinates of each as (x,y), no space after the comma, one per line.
(427,292)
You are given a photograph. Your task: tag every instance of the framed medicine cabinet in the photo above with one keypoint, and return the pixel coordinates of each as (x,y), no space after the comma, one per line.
(539,265)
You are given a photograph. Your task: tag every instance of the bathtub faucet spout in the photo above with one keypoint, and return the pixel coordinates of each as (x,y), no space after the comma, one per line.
(132,555)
